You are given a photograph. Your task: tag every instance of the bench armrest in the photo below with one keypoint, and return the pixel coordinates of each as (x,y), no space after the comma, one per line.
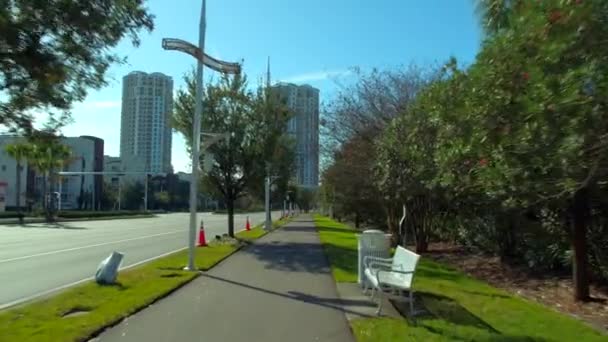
(394,271)
(379,265)
(369,260)
(378,272)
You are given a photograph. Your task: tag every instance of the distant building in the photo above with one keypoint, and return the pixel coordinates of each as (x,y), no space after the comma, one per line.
(82,191)
(129,166)
(183,176)
(79,191)
(304,127)
(112,164)
(145,127)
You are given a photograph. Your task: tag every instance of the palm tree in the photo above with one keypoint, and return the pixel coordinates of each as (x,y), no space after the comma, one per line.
(19,152)
(47,158)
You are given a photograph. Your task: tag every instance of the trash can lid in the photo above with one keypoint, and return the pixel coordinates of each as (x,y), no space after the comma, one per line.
(373,231)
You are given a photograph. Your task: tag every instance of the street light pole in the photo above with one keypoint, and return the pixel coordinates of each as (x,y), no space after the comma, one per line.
(268,222)
(196,142)
(146,193)
(202,59)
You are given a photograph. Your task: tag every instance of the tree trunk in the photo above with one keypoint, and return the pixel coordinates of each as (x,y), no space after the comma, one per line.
(422,246)
(357,219)
(580,214)
(18,193)
(390,218)
(419,221)
(507,237)
(44,185)
(230,206)
(422,237)
(50,210)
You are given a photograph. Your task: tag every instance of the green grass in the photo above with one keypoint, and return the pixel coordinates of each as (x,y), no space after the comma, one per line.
(340,245)
(258,231)
(459,307)
(137,288)
(255,233)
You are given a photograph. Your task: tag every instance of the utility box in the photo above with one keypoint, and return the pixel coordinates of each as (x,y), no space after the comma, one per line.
(372,243)
(108,269)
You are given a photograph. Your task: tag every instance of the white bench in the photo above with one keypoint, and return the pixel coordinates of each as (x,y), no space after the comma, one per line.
(392,274)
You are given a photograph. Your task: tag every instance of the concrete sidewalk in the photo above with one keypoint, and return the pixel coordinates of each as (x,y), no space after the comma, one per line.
(278,289)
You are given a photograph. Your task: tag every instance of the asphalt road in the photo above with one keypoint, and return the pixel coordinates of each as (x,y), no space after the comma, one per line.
(37,259)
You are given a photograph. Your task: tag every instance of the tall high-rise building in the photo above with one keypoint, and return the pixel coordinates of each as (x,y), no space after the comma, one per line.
(145,127)
(304,127)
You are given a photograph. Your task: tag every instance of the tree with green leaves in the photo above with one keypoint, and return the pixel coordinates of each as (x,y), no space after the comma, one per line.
(54,51)
(352,187)
(229,107)
(109,197)
(133,196)
(47,156)
(161,200)
(351,125)
(20,152)
(274,145)
(532,127)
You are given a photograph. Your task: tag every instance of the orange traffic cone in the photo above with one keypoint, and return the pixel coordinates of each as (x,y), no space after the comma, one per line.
(247,224)
(202,242)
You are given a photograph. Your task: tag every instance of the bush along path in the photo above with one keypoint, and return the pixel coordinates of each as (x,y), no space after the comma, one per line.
(83,311)
(456,306)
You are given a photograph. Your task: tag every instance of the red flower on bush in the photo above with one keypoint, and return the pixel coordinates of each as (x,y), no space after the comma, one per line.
(525,76)
(554,16)
(483,162)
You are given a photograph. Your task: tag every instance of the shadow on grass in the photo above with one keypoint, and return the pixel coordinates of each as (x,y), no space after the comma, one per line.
(342,258)
(118,285)
(445,308)
(432,307)
(172,275)
(171,268)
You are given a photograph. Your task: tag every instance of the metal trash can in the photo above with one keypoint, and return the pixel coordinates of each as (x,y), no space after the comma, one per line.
(373,243)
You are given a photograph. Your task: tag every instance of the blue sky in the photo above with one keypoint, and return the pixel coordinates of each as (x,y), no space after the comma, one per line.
(314,42)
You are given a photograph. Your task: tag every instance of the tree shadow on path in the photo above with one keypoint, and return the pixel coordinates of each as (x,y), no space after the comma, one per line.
(334,303)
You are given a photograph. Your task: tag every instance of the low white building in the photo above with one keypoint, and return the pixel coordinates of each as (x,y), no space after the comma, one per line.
(83,191)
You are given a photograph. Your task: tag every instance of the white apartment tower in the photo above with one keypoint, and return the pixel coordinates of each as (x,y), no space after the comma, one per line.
(303,101)
(145,127)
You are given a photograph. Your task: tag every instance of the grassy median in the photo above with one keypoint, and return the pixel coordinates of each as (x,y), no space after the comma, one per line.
(459,307)
(95,306)
(258,231)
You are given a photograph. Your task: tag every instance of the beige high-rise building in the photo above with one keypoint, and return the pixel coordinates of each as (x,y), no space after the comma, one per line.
(303,100)
(145,127)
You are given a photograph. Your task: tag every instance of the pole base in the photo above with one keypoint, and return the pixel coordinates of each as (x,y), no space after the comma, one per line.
(187,268)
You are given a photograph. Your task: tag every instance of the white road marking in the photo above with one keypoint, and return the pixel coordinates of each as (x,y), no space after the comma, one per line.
(85,247)
(44,293)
